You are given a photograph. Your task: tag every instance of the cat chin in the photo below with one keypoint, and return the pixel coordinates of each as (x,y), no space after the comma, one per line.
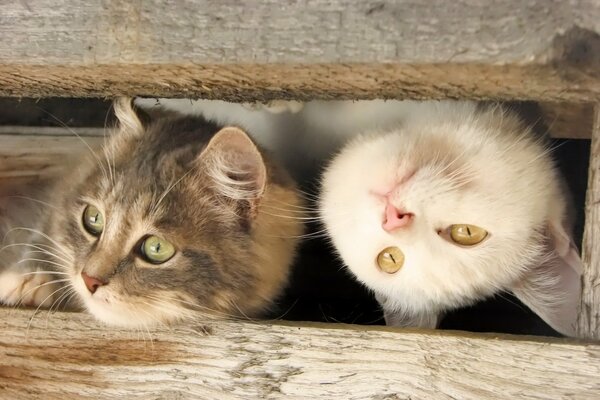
(110,310)
(126,315)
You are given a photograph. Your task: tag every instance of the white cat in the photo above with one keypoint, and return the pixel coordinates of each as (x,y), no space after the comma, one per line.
(453,204)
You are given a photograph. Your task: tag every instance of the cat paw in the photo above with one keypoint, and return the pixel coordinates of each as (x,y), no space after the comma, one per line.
(31,290)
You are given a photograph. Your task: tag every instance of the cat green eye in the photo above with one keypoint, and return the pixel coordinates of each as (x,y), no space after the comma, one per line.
(157,250)
(467,235)
(93,220)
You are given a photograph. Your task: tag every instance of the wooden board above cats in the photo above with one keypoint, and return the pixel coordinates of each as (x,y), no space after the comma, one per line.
(317,49)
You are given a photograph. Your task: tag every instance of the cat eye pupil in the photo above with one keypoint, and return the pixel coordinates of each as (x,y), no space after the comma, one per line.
(467,235)
(93,220)
(157,250)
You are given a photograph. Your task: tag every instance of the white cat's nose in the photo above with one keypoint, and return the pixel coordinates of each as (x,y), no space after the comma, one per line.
(395,219)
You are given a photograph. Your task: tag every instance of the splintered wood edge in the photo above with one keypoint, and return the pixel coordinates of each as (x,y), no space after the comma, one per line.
(265,82)
(317,49)
(67,355)
(589,314)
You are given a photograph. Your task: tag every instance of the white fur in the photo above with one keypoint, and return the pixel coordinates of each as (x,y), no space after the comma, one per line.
(506,184)
(302,136)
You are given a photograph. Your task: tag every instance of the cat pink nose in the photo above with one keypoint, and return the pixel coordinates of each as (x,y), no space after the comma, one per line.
(92,283)
(395,219)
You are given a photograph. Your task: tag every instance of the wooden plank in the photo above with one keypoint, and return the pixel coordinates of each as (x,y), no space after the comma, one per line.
(589,316)
(64,355)
(8,130)
(268,49)
(568,120)
(39,153)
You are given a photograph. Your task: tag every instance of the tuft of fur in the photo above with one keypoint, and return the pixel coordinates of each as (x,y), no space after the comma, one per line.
(454,163)
(182,179)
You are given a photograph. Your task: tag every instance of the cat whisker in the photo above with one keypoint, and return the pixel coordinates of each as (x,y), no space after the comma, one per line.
(46,253)
(19,303)
(42,303)
(242,312)
(65,299)
(194,306)
(34,200)
(43,261)
(168,190)
(182,313)
(59,247)
(38,246)
(290,211)
(547,151)
(68,293)
(292,217)
(286,312)
(45,272)
(71,130)
(312,235)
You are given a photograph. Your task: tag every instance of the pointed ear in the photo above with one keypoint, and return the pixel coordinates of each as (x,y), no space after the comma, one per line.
(131,119)
(235,165)
(553,289)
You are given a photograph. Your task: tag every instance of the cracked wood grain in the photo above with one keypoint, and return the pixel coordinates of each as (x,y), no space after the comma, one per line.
(589,315)
(68,355)
(268,49)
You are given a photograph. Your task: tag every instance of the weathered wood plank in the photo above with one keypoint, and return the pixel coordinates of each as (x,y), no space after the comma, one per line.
(589,317)
(41,152)
(568,120)
(535,49)
(71,356)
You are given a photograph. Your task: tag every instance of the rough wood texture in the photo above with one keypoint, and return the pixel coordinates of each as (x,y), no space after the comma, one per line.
(589,316)
(40,152)
(70,356)
(568,120)
(535,49)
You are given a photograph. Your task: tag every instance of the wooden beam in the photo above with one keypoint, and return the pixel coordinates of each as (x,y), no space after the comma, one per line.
(68,355)
(268,49)
(589,316)
(34,152)
(568,120)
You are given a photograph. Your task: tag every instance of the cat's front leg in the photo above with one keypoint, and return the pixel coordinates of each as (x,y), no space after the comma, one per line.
(27,284)
(395,316)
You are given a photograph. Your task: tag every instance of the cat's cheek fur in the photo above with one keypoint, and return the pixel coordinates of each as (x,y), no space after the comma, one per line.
(113,308)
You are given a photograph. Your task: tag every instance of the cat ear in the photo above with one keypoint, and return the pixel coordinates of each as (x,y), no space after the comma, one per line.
(235,165)
(131,119)
(553,289)
(401,318)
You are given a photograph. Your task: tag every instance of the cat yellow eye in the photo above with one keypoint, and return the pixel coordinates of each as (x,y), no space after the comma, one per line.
(93,220)
(390,260)
(467,235)
(157,250)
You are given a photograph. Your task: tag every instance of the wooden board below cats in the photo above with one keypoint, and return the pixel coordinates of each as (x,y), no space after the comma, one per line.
(69,355)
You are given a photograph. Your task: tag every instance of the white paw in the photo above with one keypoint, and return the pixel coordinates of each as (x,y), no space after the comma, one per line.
(32,290)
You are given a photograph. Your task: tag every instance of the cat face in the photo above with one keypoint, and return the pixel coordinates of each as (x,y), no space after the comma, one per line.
(173,222)
(444,211)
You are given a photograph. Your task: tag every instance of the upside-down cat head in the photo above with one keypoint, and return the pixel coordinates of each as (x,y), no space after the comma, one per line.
(454,204)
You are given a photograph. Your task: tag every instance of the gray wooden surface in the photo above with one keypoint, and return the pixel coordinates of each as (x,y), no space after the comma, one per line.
(589,315)
(63,356)
(534,49)
(42,152)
